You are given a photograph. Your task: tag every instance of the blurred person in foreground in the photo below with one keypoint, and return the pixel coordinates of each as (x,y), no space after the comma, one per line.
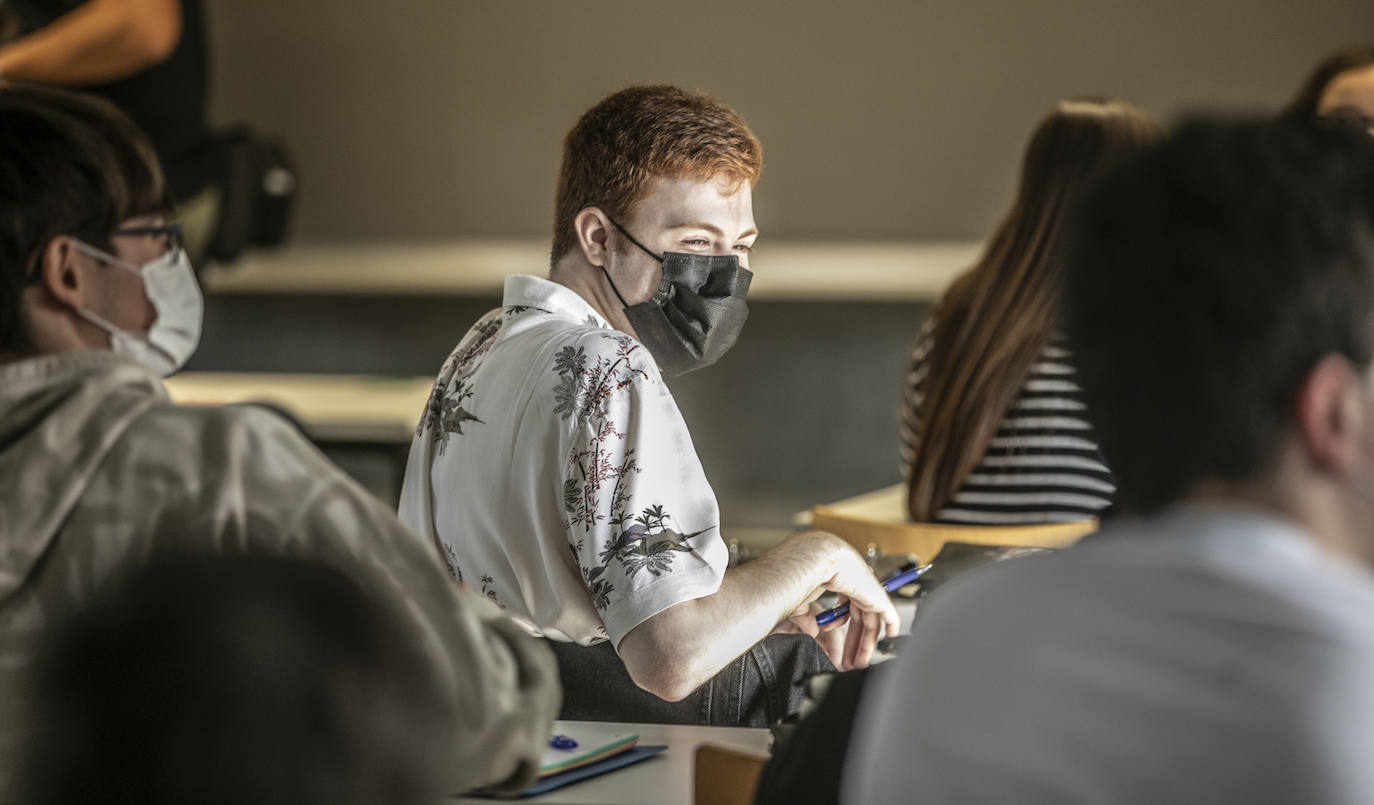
(99,469)
(220,680)
(1214,644)
(554,466)
(993,425)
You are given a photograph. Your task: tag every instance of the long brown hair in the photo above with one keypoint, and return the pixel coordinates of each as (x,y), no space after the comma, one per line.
(1304,104)
(995,320)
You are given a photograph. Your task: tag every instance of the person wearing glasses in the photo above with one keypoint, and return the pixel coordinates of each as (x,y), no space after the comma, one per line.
(1340,90)
(148,57)
(100,471)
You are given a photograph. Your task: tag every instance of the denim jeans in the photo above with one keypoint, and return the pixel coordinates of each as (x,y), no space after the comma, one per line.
(759,687)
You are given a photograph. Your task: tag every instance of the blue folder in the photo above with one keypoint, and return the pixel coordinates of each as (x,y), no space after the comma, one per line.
(570,776)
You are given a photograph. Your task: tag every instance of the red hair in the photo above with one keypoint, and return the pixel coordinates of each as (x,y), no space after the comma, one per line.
(640,133)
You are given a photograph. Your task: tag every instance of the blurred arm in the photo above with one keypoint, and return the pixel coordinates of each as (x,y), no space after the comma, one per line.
(95,43)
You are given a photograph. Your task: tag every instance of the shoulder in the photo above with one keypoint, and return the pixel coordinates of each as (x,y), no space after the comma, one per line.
(920,350)
(1056,350)
(481,334)
(247,435)
(591,348)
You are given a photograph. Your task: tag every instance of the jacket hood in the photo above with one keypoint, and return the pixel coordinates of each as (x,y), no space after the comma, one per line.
(60,415)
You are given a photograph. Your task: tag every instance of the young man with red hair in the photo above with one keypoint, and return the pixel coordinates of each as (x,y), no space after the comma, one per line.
(552,463)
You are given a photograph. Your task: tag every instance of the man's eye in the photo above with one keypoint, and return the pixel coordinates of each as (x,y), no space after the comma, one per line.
(700,243)
(747,248)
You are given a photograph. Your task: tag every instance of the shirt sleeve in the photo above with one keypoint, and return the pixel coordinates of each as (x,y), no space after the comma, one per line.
(913,394)
(642,521)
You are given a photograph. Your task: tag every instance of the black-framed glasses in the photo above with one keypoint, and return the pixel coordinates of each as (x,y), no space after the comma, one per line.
(171,233)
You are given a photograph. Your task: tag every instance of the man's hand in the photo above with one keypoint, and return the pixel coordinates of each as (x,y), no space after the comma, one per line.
(870,608)
(830,637)
(673,652)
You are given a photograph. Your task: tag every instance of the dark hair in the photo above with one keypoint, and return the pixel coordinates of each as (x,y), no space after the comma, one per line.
(993,323)
(1304,104)
(639,133)
(227,680)
(69,164)
(1205,281)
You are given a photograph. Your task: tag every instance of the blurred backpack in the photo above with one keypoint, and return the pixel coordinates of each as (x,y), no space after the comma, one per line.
(257,182)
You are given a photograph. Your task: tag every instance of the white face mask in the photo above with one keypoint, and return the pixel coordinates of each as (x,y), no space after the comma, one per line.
(171,287)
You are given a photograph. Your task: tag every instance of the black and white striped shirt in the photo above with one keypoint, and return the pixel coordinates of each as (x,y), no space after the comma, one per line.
(1043,465)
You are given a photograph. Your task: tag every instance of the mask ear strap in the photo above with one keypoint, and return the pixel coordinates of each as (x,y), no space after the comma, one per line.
(104,257)
(613,288)
(644,248)
(635,242)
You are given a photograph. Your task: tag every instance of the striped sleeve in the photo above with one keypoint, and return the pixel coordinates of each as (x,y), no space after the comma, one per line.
(908,416)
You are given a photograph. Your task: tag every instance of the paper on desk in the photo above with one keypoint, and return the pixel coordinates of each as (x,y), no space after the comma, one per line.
(593,744)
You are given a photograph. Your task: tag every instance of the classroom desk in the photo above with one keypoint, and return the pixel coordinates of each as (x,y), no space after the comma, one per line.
(878,519)
(662,780)
(340,409)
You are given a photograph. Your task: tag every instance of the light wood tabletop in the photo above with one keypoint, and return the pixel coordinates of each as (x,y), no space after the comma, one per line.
(331,408)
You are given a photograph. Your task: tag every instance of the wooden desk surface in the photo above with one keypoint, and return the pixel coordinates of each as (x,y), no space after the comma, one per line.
(879,518)
(662,780)
(339,408)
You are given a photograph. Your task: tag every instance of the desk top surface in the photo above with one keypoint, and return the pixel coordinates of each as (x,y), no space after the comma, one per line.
(665,779)
(359,408)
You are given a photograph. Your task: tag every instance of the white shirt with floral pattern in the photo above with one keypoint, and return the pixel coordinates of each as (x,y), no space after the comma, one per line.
(555,471)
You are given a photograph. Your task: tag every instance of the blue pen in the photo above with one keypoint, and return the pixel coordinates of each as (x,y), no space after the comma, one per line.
(896,581)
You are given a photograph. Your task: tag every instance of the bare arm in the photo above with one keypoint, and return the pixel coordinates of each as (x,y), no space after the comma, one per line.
(97,42)
(674,652)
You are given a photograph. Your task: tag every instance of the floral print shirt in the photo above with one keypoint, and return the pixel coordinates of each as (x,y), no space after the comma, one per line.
(554,470)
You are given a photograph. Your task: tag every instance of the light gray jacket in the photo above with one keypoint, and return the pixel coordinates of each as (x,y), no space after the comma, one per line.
(98,469)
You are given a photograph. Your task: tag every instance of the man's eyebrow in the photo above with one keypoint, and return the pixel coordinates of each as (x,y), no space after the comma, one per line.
(712,228)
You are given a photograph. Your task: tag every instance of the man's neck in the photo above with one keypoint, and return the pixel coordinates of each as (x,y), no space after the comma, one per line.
(1317,506)
(590,283)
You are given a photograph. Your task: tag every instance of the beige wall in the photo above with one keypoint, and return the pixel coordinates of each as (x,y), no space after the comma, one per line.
(880,119)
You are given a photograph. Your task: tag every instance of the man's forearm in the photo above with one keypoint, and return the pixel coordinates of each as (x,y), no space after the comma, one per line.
(97,42)
(675,651)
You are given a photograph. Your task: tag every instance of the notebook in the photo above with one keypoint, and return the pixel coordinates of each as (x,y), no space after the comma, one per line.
(597,752)
(592,746)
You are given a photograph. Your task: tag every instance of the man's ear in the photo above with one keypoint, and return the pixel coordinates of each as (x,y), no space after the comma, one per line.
(1335,420)
(593,234)
(59,274)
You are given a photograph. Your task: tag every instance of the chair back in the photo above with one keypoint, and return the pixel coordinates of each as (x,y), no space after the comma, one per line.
(726,776)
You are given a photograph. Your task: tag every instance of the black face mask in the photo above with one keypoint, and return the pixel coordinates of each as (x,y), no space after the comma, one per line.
(697,313)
